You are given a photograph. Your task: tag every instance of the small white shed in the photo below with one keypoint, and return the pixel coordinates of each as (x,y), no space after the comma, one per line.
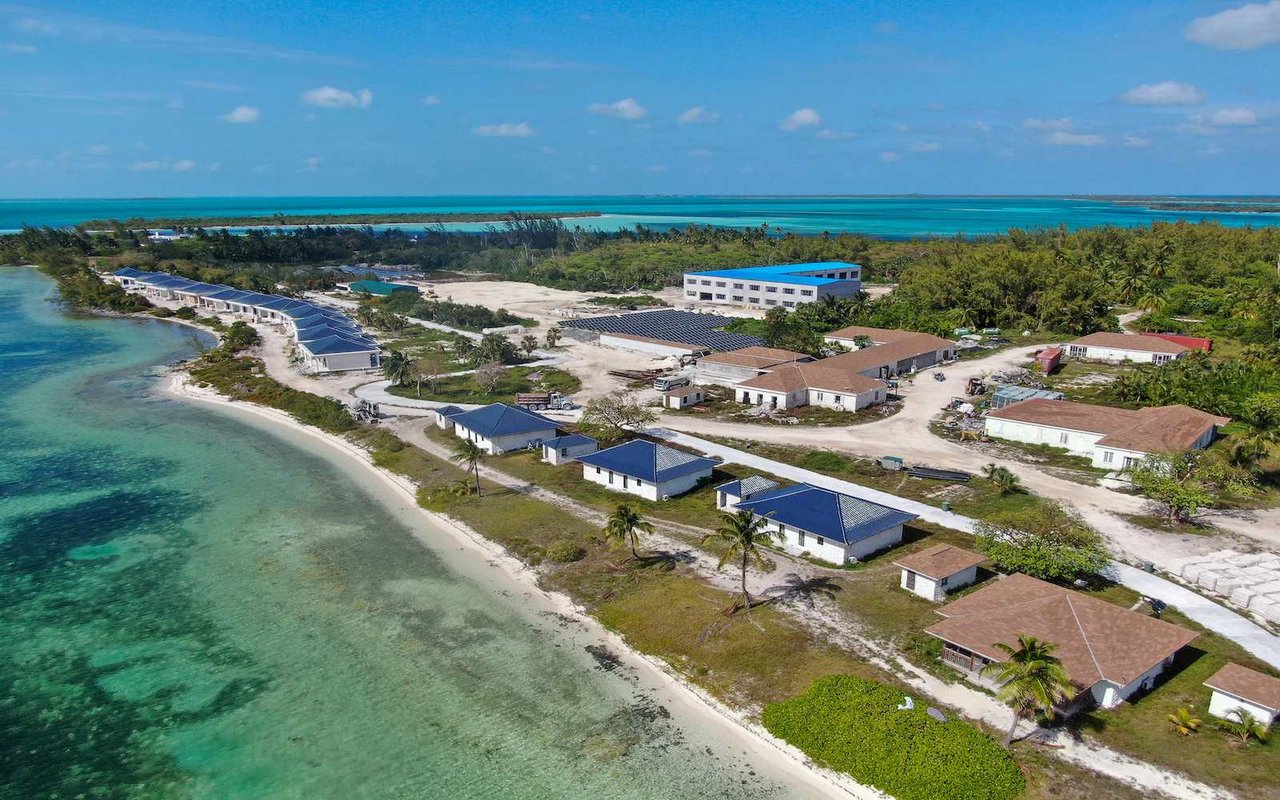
(684,397)
(728,495)
(937,570)
(443,416)
(1235,687)
(563,449)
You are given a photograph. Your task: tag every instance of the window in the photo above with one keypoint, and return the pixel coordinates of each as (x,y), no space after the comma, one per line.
(844,275)
(771,289)
(755,287)
(1077,351)
(831,275)
(788,290)
(564,451)
(800,537)
(719,284)
(806,293)
(597,470)
(706,283)
(789,303)
(943,582)
(1107,456)
(821,541)
(910,580)
(820,396)
(719,297)
(691,281)
(1129,461)
(838,399)
(737,298)
(611,476)
(770,302)
(737,286)
(690,293)
(1062,438)
(755,300)
(639,483)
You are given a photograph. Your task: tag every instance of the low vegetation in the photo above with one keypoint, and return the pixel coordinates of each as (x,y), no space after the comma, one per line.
(245,378)
(511,381)
(861,727)
(1045,541)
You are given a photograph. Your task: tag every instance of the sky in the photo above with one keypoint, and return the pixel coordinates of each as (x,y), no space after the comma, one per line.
(268,97)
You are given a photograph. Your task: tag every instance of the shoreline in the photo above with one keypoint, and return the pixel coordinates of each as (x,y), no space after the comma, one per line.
(667,685)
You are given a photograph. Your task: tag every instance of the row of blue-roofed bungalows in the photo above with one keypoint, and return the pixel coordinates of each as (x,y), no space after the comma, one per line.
(807,520)
(327,339)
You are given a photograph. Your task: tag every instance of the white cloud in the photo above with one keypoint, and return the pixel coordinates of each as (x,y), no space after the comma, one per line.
(1211,151)
(1068,139)
(33,25)
(99,150)
(627,108)
(431,100)
(981,127)
(700,154)
(1165,93)
(174,103)
(1247,27)
(505,129)
(890,155)
(1134,140)
(1060,124)
(800,118)
(214,167)
(182,165)
(242,114)
(831,136)
(311,164)
(926,147)
(1233,116)
(698,115)
(19,49)
(657,168)
(332,97)
(901,127)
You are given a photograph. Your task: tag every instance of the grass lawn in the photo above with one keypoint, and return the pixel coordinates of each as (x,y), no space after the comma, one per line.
(1087,381)
(977,498)
(1016,339)
(1052,459)
(720,405)
(1159,522)
(464,389)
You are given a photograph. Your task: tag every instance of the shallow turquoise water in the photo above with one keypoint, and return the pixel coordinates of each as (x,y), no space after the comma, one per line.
(879,216)
(193,607)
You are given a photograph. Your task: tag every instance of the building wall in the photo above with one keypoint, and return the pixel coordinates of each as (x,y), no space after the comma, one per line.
(937,591)
(795,541)
(1221,704)
(1076,442)
(641,488)
(504,444)
(684,400)
(1095,353)
(1109,695)
(656,348)
(779,400)
(846,401)
(342,362)
(563,455)
(765,294)
(722,374)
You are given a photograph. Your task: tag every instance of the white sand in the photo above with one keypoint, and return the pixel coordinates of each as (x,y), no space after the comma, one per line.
(690,706)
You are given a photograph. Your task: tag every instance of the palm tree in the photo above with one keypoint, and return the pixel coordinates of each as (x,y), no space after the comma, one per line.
(1031,679)
(625,526)
(553,336)
(528,344)
(1244,726)
(1183,723)
(1003,479)
(468,453)
(397,368)
(742,534)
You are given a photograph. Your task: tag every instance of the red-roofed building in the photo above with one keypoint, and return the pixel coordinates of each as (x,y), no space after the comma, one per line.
(1192,342)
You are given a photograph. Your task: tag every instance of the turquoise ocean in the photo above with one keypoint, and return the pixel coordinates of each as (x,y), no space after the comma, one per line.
(887,216)
(193,605)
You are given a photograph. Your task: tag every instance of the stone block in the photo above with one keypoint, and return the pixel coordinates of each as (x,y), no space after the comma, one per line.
(1209,579)
(1243,596)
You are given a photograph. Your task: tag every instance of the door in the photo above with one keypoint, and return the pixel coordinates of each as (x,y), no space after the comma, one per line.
(625,481)
(911,581)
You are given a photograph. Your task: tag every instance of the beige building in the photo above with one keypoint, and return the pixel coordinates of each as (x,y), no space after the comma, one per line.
(1119,347)
(1236,687)
(734,366)
(891,352)
(935,571)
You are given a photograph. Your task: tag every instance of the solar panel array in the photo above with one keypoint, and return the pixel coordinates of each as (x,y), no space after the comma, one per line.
(686,327)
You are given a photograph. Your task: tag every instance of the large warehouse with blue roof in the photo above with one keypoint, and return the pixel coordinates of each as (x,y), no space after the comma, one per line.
(769,287)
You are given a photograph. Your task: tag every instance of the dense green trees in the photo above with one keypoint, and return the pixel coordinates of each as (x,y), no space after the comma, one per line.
(1045,541)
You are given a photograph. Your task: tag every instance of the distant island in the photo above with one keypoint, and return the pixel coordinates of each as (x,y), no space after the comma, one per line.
(276,220)
(1266,206)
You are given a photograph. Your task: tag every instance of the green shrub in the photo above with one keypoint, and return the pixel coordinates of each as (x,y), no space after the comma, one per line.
(854,725)
(162,312)
(566,551)
(185,312)
(823,461)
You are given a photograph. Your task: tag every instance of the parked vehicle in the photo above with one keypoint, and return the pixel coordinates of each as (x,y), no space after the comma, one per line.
(938,376)
(542,401)
(668,382)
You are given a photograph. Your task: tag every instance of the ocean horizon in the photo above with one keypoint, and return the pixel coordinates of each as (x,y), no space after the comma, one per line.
(889,216)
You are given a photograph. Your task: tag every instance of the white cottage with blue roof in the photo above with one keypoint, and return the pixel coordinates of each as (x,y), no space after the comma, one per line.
(827,525)
(766,287)
(563,449)
(648,470)
(500,428)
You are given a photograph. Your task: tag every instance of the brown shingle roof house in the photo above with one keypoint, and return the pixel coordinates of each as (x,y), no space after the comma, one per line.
(1163,429)
(1109,652)
(1236,687)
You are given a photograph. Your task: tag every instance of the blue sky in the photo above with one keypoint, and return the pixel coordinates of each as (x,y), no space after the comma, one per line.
(270,97)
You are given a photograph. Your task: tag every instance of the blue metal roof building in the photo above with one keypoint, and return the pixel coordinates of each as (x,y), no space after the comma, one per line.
(784,285)
(499,428)
(830,525)
(800,274)
(642,460)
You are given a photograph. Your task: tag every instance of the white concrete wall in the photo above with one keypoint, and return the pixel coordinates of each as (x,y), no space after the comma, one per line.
(683,400)
(847,402)
(1108,694)
(641,488)
(924,586)
(1095,353)
(766,294)
(563,455)
(1077,442)
(762,397)
(503,444)
(722,374)
(1221,704)
(881,541)
(643,347)
(797,542)
(726,501)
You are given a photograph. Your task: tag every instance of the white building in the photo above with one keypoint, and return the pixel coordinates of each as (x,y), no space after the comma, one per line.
(815,384)
(444,416)
(645,469)
(935,571)
(734,366)
(1111,438)
(773,286)
(728,495)
(1108,651)
(684,397)
(1119,347)
(1236,687)
(890,352)
(500,428)
(563,449)
(826,525)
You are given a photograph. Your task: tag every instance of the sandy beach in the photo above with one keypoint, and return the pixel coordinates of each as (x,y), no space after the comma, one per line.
(480,559)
